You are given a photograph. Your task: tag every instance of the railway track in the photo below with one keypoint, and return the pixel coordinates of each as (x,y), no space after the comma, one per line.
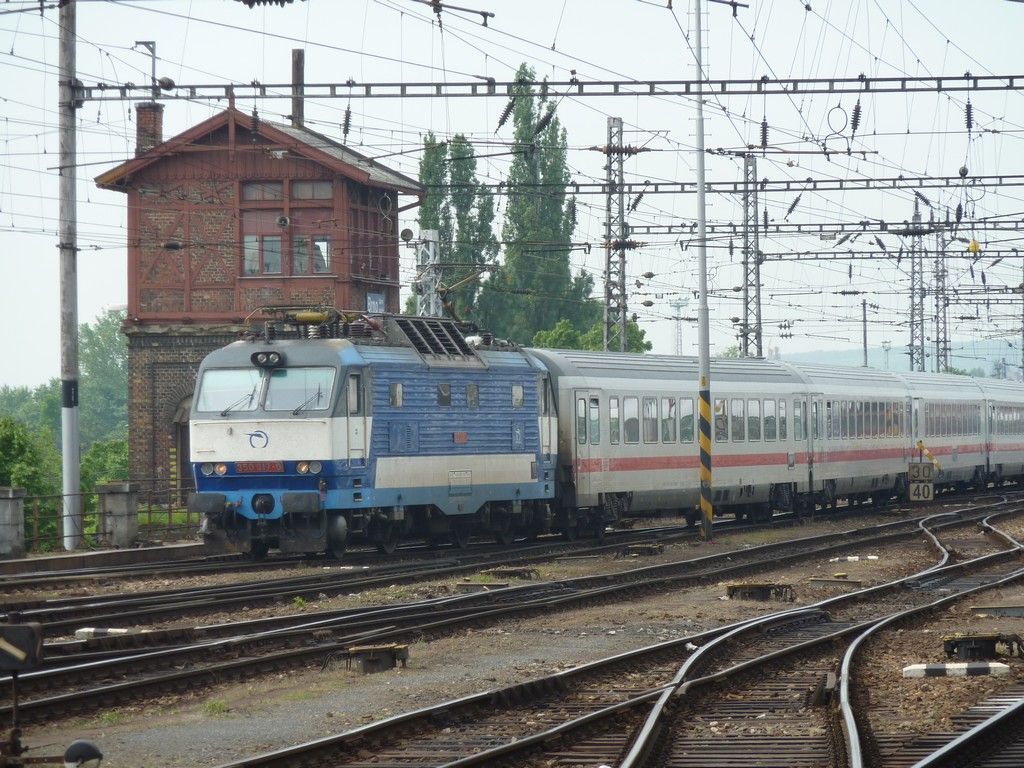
(599,708)
(80,676)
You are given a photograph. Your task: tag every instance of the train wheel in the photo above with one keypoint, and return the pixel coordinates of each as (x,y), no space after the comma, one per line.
(460,536)
(336,549)
(571,532)
(505,537)
(597,529)
(389,540)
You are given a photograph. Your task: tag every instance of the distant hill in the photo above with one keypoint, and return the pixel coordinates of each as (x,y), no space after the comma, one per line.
(979,358)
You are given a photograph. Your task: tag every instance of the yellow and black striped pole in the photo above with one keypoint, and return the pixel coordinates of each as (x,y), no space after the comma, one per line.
(704,408)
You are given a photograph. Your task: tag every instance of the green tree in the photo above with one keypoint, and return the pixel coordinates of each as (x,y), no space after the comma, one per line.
(103,353)
(461,210)
(26,459)
(534,288)
(105,461)
(730,351)
(565,336)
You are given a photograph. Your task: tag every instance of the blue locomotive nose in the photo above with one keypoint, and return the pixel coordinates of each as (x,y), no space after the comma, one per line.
(263,503)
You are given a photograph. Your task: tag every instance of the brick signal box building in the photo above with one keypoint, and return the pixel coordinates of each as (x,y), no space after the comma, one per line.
(231,217)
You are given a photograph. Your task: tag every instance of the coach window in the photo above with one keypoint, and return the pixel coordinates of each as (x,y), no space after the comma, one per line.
(798,421)
(782,419)
(631,415)
(721,421)
(473,395)
(581,420)
(668,419)
(395,394)
(815,420)
(650,419)
(595,421)
(737,420)
(444,394)
(828,419)
(613,420)
(686,420)
(753,419)
(843,426)
(858,420)
(355,394)
(770,424)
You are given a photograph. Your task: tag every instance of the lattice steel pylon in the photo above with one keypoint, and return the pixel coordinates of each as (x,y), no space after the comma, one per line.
(428,275)
(916,348)
(616,233)
(678,307)
(941,307)
(751,327)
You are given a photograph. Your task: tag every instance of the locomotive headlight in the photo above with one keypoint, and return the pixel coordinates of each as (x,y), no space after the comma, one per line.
(221,469)
(315,467)
(207,469)
(302,467)
(274,358)
(261,358)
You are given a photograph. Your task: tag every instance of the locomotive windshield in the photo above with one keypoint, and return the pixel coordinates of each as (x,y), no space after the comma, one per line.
(300,389)
(229,389)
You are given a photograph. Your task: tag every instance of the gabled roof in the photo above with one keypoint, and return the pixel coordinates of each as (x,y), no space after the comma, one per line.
(301,141)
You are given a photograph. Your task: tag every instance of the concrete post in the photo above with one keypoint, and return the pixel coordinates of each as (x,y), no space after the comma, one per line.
(119,514)
(12,522)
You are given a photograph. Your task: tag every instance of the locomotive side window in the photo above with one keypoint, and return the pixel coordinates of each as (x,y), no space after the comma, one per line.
(668,419)
(613,420)
(395,394)
(355,394)
(581,420)
(473,395)
(721,421)
(517,395)
(782,419)
(737,421)
(444,394)
(650,419)
(798,421)
(686,420)
(631,414)
(595,421)
(753,419)
(770,423)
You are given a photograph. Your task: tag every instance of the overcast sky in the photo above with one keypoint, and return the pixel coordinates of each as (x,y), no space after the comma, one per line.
(221,41)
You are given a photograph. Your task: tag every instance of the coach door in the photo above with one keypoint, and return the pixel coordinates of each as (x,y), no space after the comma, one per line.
(586,416)
(356,413)
(815,442)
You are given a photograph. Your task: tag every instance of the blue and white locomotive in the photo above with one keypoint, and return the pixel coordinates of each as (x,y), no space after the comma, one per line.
(376,429)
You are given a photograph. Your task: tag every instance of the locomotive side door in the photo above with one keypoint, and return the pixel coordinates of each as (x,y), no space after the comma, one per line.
(355,409)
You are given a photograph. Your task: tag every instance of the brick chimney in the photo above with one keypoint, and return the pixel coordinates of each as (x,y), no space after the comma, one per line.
(149,126)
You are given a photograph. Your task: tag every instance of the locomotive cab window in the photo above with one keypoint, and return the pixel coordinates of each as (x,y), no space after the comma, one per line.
(545,399)
(444,394)
(229,389)
(517,395)
(300,389)
(473,395)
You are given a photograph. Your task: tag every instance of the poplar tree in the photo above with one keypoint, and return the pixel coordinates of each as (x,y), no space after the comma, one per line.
(534,287)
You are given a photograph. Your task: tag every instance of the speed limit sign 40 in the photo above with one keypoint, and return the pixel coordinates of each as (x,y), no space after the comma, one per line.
(922,491)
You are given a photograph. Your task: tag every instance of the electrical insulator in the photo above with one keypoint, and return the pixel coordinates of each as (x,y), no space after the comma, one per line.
(647,303)
(572,211)
(731,248)
(959,212)
(636,202)
(969,116)
(766,220)
(850,273)
(974,246)
(764,132)
(647,275)
(855,118)
(505,113)
(794,204)
(347,122)
(544,121)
